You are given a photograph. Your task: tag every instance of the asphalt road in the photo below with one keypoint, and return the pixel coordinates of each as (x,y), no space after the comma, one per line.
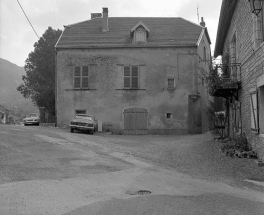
(51,171)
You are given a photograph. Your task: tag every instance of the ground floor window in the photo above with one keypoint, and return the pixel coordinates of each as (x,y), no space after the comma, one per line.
(80,111)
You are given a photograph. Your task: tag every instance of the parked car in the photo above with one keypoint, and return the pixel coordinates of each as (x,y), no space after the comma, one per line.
(31,119)
(83,122)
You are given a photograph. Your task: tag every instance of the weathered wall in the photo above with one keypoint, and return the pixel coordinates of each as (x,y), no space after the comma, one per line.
(251,58)
(106,99)
(204,66)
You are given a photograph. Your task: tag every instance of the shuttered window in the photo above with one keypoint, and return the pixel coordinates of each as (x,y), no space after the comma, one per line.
(254,111)
(171,84)
(81,77)
(131,77)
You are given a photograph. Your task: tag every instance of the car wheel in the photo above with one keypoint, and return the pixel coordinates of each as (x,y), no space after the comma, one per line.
(72,130)
(91,132)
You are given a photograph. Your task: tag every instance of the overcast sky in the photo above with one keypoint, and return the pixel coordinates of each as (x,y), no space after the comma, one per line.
(17,36)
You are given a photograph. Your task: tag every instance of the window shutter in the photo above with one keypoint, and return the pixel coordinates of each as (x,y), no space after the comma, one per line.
(85,77)
(126,76)
(134,77)
(142,77)
(77,77)
(254,111)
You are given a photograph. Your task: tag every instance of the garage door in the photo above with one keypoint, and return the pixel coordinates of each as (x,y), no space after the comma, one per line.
(135,121)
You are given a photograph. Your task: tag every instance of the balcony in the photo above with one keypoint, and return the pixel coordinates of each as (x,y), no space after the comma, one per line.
(227,80)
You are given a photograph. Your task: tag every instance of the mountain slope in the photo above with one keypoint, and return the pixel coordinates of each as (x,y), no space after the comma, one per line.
(10,79)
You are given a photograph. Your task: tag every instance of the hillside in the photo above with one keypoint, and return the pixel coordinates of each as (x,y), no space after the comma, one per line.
(10,79)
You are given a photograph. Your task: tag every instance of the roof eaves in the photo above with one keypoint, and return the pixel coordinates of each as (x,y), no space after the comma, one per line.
(132,46)
(138,24)
(226,14)
(59,39)
(200,37)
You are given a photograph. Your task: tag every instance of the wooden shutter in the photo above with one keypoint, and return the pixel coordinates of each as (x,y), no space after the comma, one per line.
(127,77)
(77,77)
(142,77)
(134,77)
(254,111)
(85,77)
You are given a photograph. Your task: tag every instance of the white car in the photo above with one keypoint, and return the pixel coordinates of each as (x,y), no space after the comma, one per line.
(83,122)
(31,119)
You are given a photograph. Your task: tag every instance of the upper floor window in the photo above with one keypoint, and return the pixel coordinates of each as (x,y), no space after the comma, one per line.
(131,77)
(81,77)
(171,83)
(140,35)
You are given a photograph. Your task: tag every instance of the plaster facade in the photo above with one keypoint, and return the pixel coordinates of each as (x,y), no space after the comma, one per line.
(106,97)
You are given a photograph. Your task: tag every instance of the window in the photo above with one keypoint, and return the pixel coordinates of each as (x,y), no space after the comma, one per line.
(81,77)
(171,83)
(204,55)
(254,111)
(131,77)
(168,116)
(140,35)
(80,111)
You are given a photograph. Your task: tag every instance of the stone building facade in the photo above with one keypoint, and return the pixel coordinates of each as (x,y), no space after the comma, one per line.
(135,75)
(240,37)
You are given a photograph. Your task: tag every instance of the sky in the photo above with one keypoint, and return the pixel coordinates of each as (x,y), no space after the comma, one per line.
(17,37)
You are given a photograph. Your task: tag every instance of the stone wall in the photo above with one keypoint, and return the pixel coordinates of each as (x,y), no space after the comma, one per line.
(250,54)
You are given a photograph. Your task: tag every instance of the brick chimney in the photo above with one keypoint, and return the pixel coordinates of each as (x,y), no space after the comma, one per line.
(105,20)
(202,23)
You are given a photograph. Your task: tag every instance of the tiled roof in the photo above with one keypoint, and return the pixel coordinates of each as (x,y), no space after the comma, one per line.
(163,31)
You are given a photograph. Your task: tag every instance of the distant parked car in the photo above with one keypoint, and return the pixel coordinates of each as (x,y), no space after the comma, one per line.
(83,122)
(31,119)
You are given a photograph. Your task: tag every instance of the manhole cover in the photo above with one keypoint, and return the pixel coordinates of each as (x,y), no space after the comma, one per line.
(140,192)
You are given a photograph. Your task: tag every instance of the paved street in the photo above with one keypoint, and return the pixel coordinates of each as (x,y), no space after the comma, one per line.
(45,170)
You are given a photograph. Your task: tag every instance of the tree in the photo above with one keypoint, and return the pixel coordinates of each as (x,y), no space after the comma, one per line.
(39,81)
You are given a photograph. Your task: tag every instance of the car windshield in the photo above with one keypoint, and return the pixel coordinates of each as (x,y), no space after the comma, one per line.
(83,117)
(33,115)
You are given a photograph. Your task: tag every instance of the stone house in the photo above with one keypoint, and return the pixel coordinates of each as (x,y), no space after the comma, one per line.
(4,113)
(240,41)
(136,75)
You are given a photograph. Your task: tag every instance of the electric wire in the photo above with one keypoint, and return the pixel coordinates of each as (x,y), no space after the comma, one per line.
(28,19)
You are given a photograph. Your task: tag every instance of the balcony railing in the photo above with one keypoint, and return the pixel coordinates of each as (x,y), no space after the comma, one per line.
(227,79)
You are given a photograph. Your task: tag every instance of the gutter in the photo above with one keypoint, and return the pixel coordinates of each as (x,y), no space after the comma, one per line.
(122,47)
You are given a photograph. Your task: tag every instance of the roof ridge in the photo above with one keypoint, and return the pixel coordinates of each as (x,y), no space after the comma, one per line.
(192,22)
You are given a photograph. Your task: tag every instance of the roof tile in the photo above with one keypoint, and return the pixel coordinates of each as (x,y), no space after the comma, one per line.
(163,31)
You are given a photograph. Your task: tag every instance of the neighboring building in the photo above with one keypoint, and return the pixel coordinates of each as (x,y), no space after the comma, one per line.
(137,75)
(4,112)
(240,42)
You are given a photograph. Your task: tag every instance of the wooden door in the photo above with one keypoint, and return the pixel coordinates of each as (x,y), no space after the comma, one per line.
(135,121)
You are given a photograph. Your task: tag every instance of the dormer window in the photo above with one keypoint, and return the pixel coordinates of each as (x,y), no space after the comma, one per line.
(140,35)
(139,32)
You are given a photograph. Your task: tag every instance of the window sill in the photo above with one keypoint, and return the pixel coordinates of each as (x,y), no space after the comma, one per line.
(130,89)
(79,89)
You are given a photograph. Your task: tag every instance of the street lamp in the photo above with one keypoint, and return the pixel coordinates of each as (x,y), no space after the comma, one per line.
(256,6)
